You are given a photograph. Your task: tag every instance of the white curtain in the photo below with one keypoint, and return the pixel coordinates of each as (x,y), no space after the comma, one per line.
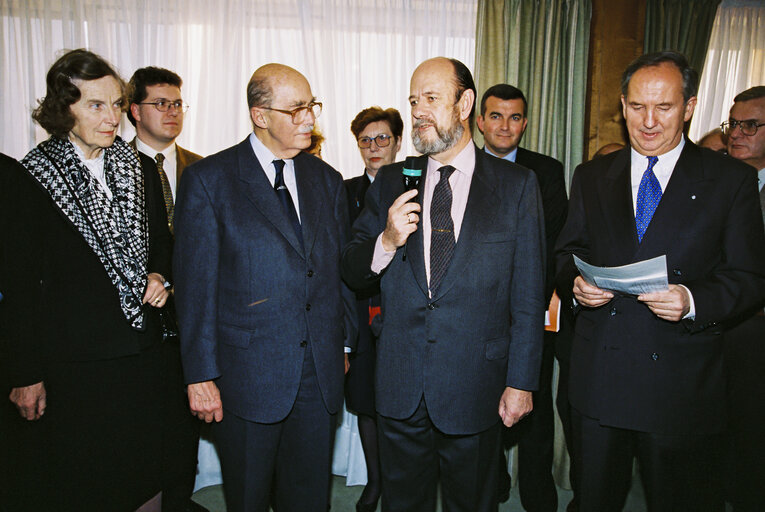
(355,53)
(735,62)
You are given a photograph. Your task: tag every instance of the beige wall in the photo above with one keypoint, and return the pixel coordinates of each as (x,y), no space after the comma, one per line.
(616,38)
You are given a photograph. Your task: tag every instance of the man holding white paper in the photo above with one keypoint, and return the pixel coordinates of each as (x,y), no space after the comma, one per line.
(647,376)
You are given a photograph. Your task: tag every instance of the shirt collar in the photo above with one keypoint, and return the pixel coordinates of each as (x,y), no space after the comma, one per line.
(263,154)
(511,156)
(664,166)
(464,162)
(168,152)
(761,178)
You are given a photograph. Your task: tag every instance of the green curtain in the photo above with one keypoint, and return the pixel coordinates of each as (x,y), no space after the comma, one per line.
(682,25)
(539,46)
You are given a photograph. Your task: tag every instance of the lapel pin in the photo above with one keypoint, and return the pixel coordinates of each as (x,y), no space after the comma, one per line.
(693,196)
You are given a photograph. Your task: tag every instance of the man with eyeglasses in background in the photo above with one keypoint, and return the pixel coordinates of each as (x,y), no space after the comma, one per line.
(264,316)
(157,110)
(745,341)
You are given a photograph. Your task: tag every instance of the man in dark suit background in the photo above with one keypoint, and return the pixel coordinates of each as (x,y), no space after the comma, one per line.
(745,341)
(263,313)
(453,273)
(647,375)
(503,122)
(157,111)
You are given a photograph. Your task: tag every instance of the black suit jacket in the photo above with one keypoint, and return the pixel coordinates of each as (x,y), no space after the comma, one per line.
(249,297)
(630,369)
(482,330)
(356,189)
(62,302)
(552,185)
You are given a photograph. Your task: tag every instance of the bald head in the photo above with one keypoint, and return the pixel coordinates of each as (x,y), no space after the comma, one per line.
(442,98)
(260,86)
(281,109)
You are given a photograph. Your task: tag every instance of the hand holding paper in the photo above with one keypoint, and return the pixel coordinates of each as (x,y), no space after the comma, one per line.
(634,279)
(671,305)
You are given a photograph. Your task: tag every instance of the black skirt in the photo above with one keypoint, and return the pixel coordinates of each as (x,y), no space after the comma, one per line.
(98,445)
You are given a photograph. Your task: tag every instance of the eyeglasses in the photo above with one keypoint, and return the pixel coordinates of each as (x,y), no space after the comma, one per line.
(381,140)
(748,127)
(165,105)
(298,114)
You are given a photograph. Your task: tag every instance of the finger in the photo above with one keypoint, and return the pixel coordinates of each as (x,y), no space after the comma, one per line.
(404,198)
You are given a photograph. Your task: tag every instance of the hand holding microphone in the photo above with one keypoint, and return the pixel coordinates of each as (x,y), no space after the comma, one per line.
(403,213)
(402,221)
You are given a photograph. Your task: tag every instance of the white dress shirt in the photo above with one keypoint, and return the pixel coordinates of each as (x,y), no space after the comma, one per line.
(170,164)
(266,159)
(663,171)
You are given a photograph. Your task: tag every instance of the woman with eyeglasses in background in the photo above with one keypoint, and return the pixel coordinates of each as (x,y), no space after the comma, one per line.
(378,135)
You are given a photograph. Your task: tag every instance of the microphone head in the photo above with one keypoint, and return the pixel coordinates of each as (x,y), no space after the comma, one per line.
(411,173)
(411,167)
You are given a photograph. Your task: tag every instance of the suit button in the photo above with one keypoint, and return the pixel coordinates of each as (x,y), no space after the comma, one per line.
(303,343)
(431,341)
(613,311)
(655,356)
(310,273)
(432,306)
(308,307)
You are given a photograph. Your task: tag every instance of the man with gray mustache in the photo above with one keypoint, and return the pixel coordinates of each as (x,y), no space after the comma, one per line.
(264,317)
(461,273)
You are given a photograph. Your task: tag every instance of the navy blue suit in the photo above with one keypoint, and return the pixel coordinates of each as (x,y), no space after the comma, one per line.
(257,313)
(481,331)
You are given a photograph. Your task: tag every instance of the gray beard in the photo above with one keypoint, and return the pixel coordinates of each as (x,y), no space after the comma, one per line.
(443,141)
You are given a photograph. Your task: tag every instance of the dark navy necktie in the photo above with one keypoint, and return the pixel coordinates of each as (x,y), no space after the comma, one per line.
(442,239)
(286,199)
(649,195)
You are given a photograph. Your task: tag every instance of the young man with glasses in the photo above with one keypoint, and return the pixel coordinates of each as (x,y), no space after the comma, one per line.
(156,110)
(744,348)
(262,310)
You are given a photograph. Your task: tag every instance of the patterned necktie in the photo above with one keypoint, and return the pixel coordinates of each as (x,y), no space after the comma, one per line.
(286,199)
(649,195)
(167,192)
(442,239)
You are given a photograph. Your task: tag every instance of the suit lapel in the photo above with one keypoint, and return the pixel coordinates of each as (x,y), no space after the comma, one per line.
(258,190)
(615,192)
(414,246)
(678,206)
(482,205)
(180,162)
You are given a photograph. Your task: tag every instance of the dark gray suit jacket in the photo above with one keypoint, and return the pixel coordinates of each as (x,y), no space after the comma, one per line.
(482,330)
(248,297)
(552,186)
(630,369)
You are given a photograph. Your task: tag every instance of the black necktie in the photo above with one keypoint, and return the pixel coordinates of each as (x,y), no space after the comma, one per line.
(442,239)
(286,199)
